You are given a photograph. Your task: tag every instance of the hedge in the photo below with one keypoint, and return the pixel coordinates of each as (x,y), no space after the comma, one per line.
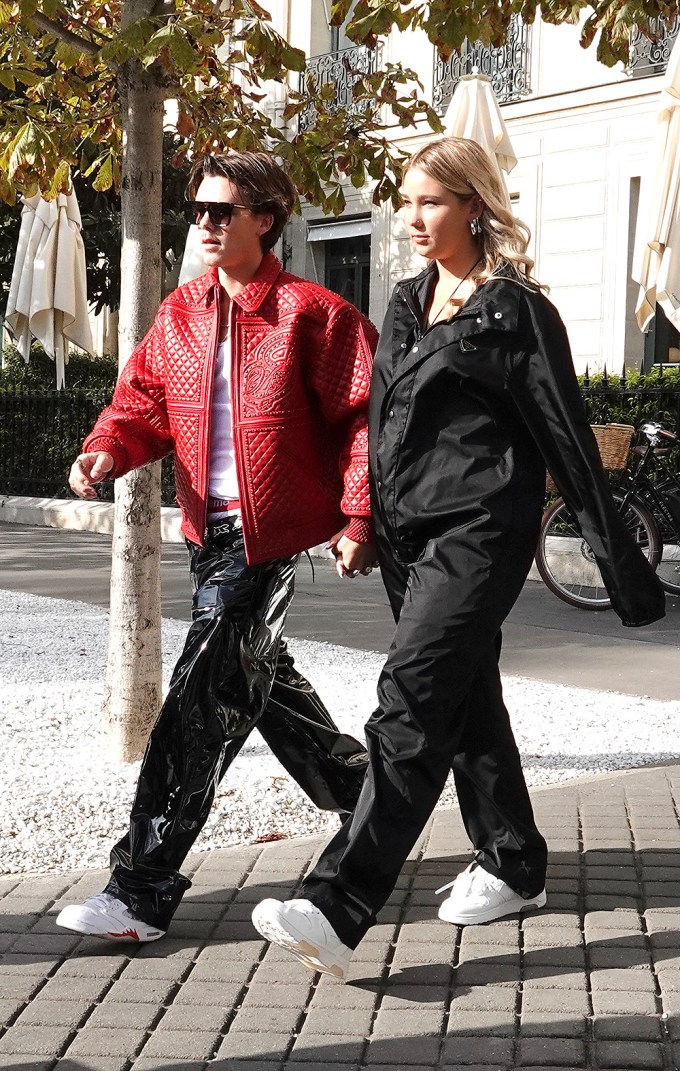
(41,429)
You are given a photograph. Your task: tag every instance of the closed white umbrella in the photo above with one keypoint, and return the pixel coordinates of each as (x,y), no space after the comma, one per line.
(474,113)
(192,264)
(656,257)
(48,291)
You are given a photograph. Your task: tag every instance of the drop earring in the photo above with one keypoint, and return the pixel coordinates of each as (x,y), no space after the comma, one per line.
(475,227)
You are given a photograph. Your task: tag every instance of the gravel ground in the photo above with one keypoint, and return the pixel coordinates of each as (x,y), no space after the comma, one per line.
(62,801)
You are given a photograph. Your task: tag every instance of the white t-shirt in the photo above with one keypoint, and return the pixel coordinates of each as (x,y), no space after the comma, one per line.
(222,478)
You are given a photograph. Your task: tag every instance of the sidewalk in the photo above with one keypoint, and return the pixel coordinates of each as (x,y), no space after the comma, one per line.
(592,981)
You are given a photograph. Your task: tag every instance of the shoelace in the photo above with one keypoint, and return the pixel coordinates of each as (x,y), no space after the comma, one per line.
(449,885)
(460,879)
(102,901)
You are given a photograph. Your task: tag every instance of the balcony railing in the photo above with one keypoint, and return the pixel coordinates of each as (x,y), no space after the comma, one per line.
(341,70)
(648,57)
(508,67)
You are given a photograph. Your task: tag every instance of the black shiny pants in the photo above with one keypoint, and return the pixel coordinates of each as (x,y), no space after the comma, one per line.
(233,674)
(441,708)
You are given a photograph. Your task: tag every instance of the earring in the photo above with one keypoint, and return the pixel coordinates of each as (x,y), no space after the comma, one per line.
(475,227)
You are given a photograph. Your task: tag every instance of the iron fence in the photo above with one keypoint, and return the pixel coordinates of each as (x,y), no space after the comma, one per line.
(649,55)
(42,431)
(625,400)
(341,70)
(508,67)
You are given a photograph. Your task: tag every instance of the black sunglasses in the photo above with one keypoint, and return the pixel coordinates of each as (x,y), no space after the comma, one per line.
(219,212)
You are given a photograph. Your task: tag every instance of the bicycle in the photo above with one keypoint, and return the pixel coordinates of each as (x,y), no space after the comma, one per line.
(649,502)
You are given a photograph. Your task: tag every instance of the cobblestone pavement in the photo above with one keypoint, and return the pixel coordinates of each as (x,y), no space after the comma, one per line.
(591,981)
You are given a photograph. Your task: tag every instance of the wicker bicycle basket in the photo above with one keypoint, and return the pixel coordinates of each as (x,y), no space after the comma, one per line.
(613,442)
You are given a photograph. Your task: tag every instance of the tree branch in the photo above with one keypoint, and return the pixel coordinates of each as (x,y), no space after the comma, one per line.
(73,39)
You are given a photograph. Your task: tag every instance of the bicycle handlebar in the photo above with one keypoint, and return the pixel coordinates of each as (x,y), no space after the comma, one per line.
(656,433)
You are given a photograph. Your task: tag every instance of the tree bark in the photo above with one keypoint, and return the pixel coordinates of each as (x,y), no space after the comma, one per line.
(133,689)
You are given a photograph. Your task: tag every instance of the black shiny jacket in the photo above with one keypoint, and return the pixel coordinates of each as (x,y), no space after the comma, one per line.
(465,416)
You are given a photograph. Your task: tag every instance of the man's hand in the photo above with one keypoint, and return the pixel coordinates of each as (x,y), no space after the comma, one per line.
(352,558)
(87,470)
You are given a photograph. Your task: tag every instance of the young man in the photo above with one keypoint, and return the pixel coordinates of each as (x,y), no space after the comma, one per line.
(259,382)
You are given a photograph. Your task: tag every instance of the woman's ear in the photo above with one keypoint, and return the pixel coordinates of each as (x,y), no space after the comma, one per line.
(476,207)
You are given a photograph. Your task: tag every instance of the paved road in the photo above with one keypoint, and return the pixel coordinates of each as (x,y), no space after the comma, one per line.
(543,639)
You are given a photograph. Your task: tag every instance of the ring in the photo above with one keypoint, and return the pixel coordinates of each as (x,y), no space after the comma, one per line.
(368,569)
(351,573)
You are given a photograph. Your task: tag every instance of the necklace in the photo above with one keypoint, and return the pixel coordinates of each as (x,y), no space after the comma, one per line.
(454,292)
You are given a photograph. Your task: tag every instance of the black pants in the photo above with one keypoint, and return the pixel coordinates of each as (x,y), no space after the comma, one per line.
(233,674)
(441,708)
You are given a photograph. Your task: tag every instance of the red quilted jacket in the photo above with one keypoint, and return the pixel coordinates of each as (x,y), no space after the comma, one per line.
(300,380)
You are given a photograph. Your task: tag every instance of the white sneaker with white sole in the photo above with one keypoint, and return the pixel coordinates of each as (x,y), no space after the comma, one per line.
(107,916)
(477,896)
(302,929)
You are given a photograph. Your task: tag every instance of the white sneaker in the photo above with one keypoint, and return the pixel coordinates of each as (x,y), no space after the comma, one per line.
(106,916)
(299,927)
(477,896)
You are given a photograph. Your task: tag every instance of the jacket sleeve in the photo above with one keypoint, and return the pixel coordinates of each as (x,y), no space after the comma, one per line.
(134,429)
(545,390)
(341,378)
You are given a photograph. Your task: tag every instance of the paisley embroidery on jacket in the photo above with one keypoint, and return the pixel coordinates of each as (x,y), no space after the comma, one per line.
(268,374)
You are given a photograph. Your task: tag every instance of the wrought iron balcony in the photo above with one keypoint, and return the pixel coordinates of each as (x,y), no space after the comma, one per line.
(341,70)
(508,67)
(648,57)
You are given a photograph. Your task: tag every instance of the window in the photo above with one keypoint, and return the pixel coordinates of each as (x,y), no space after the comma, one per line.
(348,269)
(660,344)
(662,341)
(341,257)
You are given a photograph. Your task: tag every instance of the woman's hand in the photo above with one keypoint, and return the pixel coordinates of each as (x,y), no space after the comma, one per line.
(352,558)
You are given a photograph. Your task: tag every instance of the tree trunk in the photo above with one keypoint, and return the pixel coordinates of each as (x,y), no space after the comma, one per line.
(133,676)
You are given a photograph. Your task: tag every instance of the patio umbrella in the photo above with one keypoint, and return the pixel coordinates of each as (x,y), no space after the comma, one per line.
(192,262)
(474,113)
(48,291)
(656,257)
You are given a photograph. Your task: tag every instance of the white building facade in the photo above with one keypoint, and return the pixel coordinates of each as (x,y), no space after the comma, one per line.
(582,134)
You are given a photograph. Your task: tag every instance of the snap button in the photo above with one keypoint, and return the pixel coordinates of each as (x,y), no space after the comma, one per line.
(414,350)
(403,345)
(498,316)
(479,319)
(391,412)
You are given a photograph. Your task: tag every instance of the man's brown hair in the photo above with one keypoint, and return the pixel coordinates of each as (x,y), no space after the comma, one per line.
(262,184)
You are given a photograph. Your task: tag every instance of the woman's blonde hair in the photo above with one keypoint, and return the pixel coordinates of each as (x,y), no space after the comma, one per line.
(465,169)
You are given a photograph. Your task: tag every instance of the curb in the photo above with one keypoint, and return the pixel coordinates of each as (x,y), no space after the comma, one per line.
(80,516)
(76,515)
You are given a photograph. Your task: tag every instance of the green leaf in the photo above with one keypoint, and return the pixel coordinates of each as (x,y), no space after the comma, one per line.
(358,177)
(104,179)
(60,181)
(27,78)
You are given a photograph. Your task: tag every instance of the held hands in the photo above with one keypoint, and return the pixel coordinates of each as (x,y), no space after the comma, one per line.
(87,470)
(352,558)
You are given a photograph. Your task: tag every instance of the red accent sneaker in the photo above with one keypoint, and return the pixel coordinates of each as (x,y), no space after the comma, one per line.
(106,916)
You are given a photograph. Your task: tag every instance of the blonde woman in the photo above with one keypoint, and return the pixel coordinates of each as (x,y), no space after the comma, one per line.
(473,392)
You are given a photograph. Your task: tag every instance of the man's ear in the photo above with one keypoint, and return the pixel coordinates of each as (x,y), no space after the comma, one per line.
(266,223)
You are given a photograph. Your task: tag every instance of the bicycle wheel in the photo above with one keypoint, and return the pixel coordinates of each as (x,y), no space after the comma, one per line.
(668,568)
(567,564)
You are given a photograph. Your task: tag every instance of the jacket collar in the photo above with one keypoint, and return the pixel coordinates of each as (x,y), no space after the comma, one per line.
(494,306)
(252,295)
